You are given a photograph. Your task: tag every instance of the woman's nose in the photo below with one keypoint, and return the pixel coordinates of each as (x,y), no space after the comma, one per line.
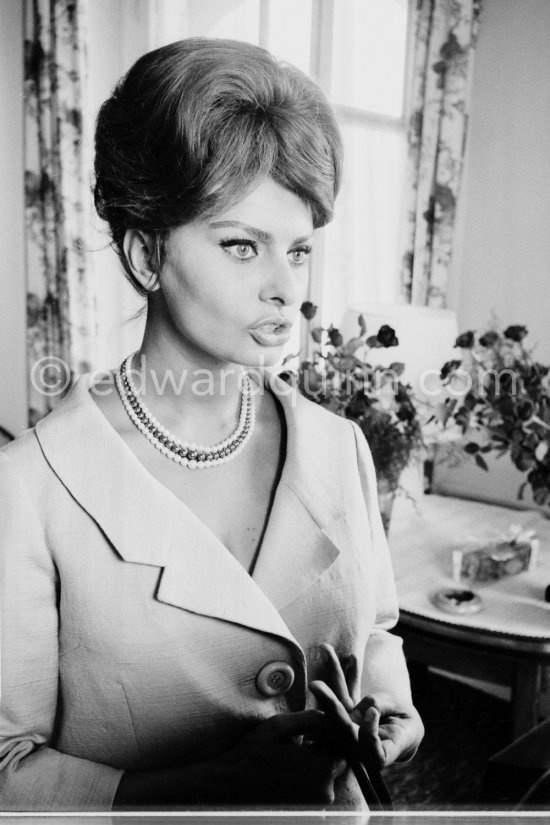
(281,283)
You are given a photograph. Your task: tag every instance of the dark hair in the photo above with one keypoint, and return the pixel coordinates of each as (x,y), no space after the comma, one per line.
(194,124)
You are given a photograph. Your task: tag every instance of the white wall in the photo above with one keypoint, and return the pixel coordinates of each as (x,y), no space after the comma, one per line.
(13,386)
(502,259)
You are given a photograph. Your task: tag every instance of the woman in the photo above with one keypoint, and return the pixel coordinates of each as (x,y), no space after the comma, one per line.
(187,624)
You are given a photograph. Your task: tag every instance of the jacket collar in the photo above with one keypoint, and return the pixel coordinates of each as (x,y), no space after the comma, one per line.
(147,524)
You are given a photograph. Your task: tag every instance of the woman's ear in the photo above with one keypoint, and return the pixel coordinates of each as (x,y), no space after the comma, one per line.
(138,248)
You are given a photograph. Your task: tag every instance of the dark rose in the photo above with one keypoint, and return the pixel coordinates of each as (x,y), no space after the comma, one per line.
(516,332)
(466,340)
(447,368)
(489,338)
(287,375)
(406,411)
(335,338)
(386,336)
(308,310)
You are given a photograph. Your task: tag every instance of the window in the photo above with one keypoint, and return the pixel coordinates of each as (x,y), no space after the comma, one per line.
(365,79)
(356,50)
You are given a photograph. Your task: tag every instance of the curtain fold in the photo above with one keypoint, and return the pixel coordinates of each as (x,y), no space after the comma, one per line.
(61,325)
(442,63)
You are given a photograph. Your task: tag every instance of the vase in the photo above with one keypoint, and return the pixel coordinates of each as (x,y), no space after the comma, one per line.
(386,498)
(456,474)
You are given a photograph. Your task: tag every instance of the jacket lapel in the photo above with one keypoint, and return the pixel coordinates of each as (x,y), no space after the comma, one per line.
(305,529)
(147,524)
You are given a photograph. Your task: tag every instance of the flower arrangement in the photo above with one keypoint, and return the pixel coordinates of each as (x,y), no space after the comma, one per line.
(340,375)
(500,390)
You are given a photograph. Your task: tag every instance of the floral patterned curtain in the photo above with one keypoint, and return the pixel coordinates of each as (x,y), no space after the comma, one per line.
(60,309)
(445,38)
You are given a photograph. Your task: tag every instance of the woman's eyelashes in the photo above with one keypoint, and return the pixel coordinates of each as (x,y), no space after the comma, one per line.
(241,249)
(245,249)
(300,254)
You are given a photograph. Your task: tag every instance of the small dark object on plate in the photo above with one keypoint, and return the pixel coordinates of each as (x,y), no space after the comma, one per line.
(451,600)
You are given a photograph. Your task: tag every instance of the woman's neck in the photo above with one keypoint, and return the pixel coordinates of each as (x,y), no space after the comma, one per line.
(193,396)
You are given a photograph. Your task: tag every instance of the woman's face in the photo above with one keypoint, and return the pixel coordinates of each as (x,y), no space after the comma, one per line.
(233,283)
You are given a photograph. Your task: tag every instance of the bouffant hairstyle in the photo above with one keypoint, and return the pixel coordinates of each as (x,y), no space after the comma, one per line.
(195,124)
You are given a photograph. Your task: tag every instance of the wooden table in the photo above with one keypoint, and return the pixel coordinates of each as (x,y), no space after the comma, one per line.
(508,641)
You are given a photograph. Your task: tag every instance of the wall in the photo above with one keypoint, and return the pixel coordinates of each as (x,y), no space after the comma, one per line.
(502,259)
(13,388)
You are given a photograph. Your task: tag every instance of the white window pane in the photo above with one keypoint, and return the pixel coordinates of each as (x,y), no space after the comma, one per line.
(289,31)
(362,255)
(234,19)
(368,52)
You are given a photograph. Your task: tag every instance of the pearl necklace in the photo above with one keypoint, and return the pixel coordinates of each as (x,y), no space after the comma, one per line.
(188,454)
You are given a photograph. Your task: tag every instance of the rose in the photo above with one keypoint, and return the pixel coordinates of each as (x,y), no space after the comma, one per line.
(466,340)
(386,336)
(308,310)
(335,337)
(489,338)
(516,332)
(447,368)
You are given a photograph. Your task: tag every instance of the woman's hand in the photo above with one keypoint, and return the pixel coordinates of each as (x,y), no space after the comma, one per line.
(268,766)
(376,730)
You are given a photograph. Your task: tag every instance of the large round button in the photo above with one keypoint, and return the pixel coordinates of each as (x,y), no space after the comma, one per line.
(274,679)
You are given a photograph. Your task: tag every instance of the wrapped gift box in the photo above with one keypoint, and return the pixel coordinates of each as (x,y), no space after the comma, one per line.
(494,560)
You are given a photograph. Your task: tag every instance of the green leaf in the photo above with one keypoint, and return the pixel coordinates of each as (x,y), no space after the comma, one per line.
(352,346)
(397,367)
(541,495)
(372,341)
(480,461)
(471,448)
(345,363)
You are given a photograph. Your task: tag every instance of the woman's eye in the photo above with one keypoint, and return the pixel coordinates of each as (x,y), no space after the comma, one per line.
(241,250)
(300,255)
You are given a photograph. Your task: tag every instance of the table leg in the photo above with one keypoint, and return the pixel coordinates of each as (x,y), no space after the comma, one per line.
(526,686)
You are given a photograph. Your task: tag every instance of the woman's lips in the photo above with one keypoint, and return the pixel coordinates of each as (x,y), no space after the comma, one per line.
(271,334)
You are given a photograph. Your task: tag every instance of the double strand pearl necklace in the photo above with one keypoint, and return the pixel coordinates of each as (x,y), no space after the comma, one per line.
(190,455)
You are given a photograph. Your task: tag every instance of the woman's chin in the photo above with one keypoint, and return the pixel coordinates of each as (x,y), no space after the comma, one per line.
(268,357)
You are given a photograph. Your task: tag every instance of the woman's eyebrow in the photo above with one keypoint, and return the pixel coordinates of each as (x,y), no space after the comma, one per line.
(258,234)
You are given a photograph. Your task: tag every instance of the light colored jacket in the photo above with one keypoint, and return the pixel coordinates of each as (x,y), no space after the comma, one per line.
(131,638)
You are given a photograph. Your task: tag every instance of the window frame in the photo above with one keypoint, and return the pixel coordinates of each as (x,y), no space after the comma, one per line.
(321,72)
